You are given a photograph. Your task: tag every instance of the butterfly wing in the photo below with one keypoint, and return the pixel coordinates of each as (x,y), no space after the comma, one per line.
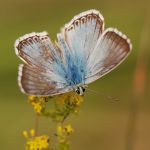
(111,49)
(43,72)
(96,52)
(36,82)
(80,36)
(83,31)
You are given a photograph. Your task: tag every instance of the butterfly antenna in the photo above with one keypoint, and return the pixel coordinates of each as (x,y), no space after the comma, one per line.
(92,91)
(112,98)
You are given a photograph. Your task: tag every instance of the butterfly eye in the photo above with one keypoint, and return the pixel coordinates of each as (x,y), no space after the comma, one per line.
(77,91)
(83,89)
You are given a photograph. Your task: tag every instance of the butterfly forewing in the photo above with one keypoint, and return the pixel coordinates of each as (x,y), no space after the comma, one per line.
(82,33)
(111,49)
(36,49)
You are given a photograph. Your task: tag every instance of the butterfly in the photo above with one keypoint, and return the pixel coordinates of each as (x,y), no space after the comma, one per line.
(83,53)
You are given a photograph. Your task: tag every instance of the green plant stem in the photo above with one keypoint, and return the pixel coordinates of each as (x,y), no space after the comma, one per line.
(36,124)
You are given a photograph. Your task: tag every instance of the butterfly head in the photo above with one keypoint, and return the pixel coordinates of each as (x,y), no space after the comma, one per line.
(80,90)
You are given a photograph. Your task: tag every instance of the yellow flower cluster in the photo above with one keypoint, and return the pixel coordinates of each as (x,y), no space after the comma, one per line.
(71,97)
(65,129)
(63,132)
(78,99)
(38,103)
(36,142)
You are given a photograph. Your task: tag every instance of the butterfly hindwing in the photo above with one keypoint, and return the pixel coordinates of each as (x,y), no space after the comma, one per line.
(34,82)
(111,49)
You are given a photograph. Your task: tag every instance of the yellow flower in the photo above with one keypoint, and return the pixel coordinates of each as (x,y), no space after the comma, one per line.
(37,107)
(61,98)
(42,99)
(36,142)
(70,97)
(38,103)
(68,128)
(78,100)
(25,134)
(63,132)
(59,129)
(31,98)
(32,132)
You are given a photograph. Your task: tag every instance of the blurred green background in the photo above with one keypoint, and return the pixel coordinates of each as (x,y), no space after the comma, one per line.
(102,124)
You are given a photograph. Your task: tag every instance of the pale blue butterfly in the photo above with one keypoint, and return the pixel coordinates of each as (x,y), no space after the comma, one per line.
(83,53)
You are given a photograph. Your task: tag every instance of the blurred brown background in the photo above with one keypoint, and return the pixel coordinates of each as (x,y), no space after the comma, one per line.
(102,124)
